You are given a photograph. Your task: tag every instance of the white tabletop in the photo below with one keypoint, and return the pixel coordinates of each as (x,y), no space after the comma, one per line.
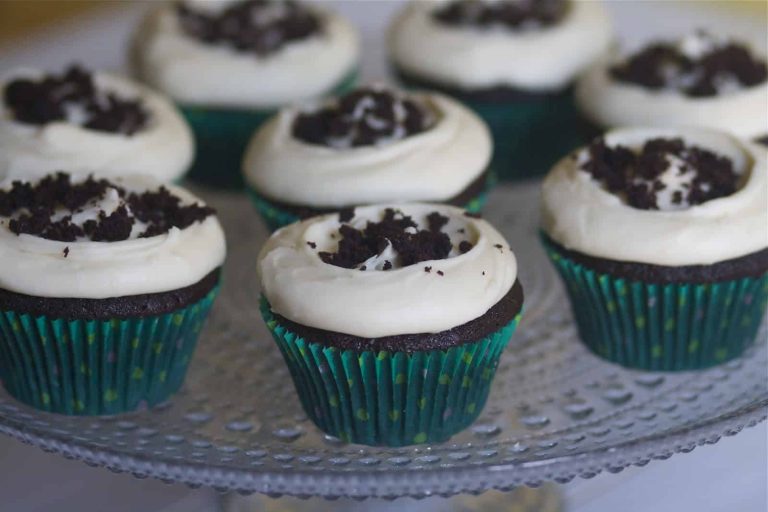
(727,477)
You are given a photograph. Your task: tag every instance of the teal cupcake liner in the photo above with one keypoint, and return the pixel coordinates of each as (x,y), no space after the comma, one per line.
(390,398)
(98,367)
(530,135)
(222,135)
(276,217)
(662,327)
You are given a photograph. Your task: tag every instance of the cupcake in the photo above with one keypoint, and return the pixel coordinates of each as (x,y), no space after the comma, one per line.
(231,64)
(104,287)
(373,145)
(700,80)
(417,301)
(513,62)
(89,122)
(661,238)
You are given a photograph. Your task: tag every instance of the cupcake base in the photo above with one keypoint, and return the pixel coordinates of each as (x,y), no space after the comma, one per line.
(99,366)
(531,131)
(662,325)
(277,215)
(221,136)
(389,397)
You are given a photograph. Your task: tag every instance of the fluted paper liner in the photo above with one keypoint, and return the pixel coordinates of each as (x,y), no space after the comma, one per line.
(665,327)
(95,367)
(390,398)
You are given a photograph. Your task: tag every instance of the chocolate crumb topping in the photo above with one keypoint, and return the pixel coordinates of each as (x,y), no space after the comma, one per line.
(48,208)
(346,214)
(465,247)
(365,117)
(440,273)
(66,251)
(259,26)
(397,230)
(427,269)
(312,245)
(73,97)
(514,15)
(699,66)
(666,174)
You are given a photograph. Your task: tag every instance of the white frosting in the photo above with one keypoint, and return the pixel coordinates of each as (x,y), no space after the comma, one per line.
(434,165)
(96,270)
(193,72)
(610,103)
(581,215)
(471,58)
(162,149)
(371,304)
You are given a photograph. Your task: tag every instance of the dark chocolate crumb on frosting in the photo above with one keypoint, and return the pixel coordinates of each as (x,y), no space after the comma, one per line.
(365,117)
(74,97)
(510,14)
(259,26)
(412,245)
(707,69)
(46,210)
(642,178)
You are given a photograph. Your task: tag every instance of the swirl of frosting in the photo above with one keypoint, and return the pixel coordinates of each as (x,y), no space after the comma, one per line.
(580,213)
(163,148)
(374,299)
(546,58)
(433,165)
(673,95)
(140,263)
(194,72)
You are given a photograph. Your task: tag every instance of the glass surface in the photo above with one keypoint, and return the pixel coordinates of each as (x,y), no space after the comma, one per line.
(556,411)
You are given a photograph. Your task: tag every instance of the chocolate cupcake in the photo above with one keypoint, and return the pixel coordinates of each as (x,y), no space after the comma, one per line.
(231,64)
(104,288)
(701,80)
(418,301)
(661,238)
(512,61)
(91,122)
(373,145)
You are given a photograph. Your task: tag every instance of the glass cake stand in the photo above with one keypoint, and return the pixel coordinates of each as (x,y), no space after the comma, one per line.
(556,412)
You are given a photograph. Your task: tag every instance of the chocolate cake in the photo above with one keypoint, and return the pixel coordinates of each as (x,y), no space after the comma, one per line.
(74,97)
(751,265)
(636,176)
(496,317)
(261,27)
(517,15)
(717,68)
(364,117)
(46,209)
(477,187)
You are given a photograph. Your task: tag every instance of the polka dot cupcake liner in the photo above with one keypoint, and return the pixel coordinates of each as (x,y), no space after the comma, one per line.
(530,134)
(662,327)
(390,398)
(98,367)
(222,135)
(275,217)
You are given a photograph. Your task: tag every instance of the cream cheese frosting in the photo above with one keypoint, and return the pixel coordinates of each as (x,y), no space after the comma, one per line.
(163,149)
(434,165)
(300,286)
(547,59)
(612,103)
(40,267)
(196,73)
(581,215)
